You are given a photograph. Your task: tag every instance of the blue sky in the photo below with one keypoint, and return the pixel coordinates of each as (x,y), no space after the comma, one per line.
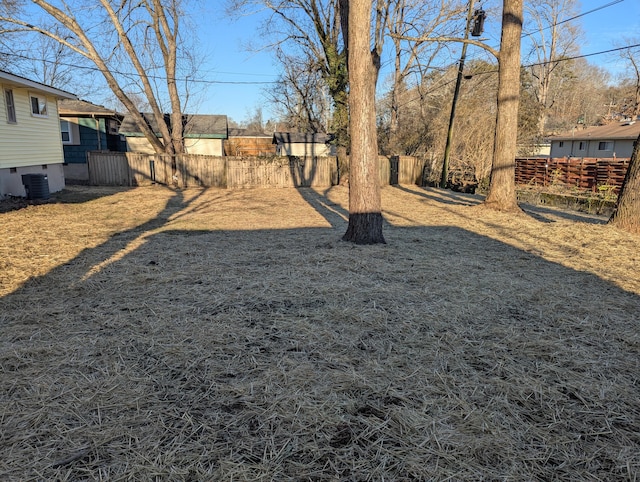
(239,76)
(228,61)
(608,27)
(235,78)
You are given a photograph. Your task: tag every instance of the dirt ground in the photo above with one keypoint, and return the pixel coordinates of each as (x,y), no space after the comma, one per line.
(151,334)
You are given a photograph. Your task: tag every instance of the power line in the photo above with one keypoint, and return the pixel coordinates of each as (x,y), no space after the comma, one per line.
(223,82)
(610,4)
(563,59)
(601,7)
(495,71)
(234,82)
(150,76)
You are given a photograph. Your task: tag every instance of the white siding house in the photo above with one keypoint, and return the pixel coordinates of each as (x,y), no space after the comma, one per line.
(612,140)
(303,145)
(30,140)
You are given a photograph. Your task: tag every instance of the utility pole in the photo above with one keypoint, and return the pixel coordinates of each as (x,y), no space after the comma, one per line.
(456,92)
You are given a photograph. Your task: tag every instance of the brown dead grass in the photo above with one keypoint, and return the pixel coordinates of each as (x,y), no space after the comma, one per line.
(229,335)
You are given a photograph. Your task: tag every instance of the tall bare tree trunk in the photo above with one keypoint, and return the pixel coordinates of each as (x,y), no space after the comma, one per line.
(163,21)
(365,205)
(166,33)
(502,187)
(627,211)
(132,52)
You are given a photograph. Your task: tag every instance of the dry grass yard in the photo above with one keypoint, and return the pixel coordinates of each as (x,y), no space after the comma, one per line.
(224,335)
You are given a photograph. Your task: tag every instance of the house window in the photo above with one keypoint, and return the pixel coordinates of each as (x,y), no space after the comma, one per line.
(112,127)
(38,106)
(561,144)
(65,130)
(11,106)
(581,146)
(605,146)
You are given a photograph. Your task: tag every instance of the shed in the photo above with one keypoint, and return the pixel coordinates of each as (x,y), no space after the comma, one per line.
(248,142)
(303,144)
(203,134)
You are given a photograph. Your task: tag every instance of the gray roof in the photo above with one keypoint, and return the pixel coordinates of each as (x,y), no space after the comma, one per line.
(301,138)
(247,132)
(10,78)
(618,130)
(67,107)
(195,126)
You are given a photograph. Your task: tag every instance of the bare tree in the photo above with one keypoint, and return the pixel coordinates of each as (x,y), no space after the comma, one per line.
(312,30)
(528,115)
(626,214)
(632,57)
(424,124)
(44,59)
(418,19)
(301,95)
(365,205)
(50,65)
(502,186)
(583,100)
(552,39)
(143,36)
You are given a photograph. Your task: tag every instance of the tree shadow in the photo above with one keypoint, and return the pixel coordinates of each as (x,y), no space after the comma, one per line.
(547,215)
(235,340)
(71,194)
(119,243)
(302,170)
(443,196)
(540,213)
(336,215)
(77,194)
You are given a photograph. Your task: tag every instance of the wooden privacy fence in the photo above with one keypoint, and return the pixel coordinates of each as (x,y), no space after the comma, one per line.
(252,172)
(583,173)
(400,170)
(131,169)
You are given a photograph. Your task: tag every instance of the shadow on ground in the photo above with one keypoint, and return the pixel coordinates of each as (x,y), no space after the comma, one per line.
(287,354)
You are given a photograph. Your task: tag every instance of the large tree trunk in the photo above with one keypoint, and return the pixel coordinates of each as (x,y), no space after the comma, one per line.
(502,187)
(167,38)
(365,205)
(626,214)
(120,15)
(150,96)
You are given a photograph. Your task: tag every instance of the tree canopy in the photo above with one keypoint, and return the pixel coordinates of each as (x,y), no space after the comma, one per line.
(137,46)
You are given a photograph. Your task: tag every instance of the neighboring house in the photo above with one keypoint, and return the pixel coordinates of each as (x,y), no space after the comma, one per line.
(248,142)
(29,134)
(612,140)
(203,134)
(87,127)
(303,145)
